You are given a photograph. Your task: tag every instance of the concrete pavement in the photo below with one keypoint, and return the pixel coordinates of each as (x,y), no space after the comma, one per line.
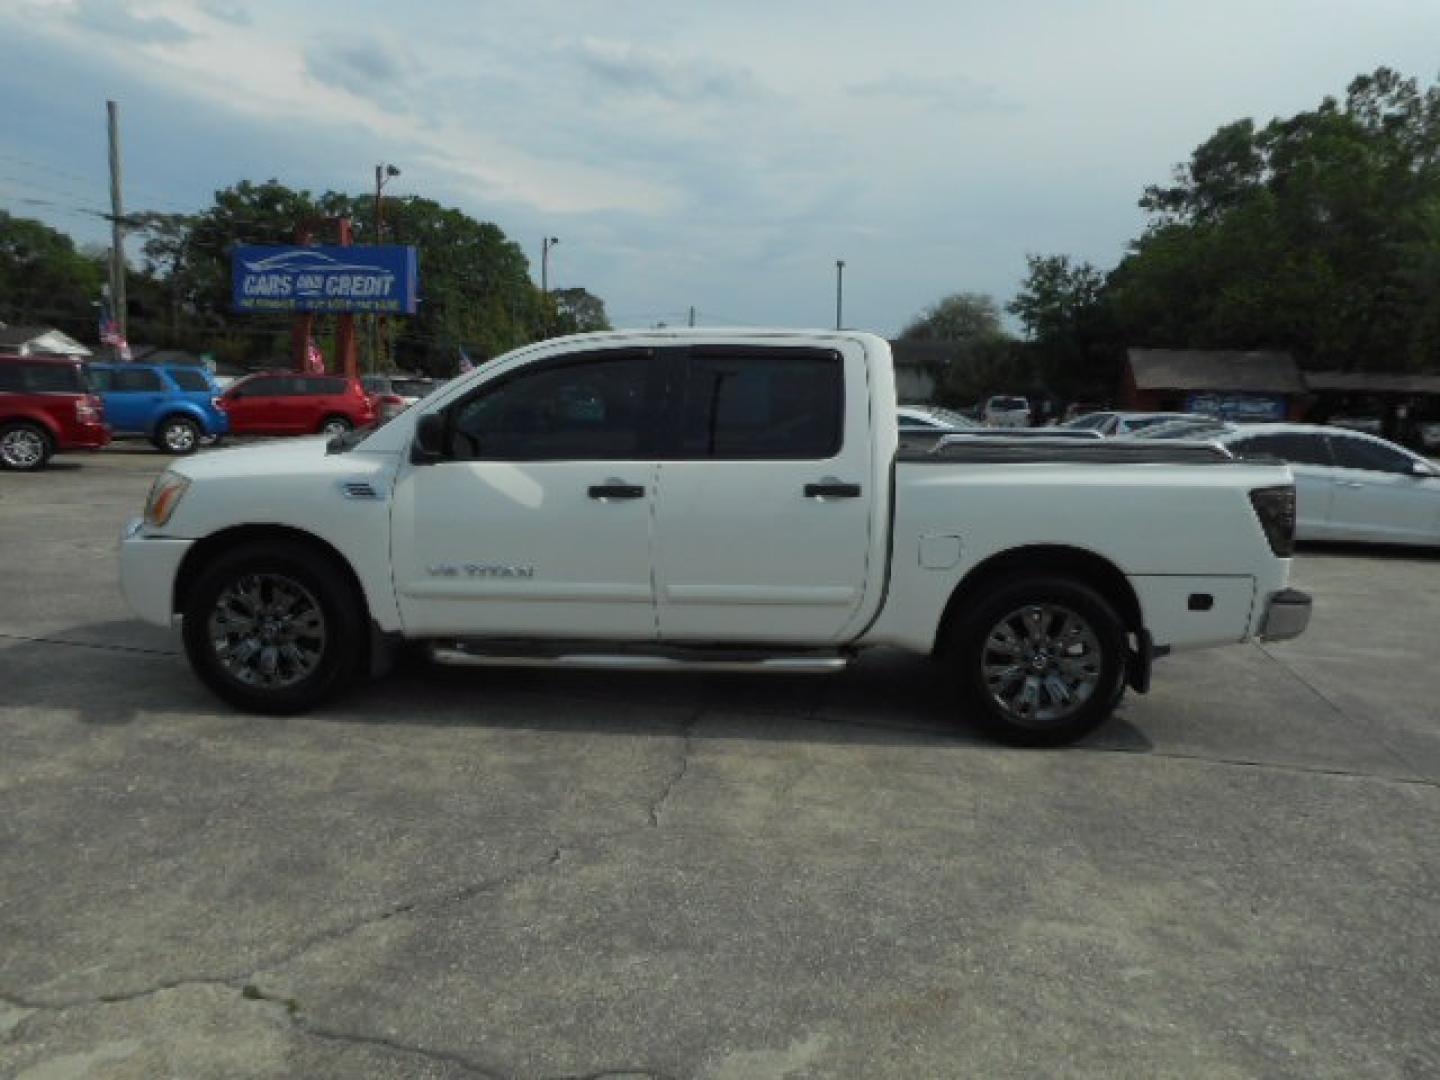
(537,874)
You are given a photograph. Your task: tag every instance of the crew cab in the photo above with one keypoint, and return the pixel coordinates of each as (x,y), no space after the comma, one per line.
(689,499)
(172,405)
(46,405)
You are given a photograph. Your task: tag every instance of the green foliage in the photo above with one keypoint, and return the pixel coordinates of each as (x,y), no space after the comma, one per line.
(1316,233)
(960,317)
(475,285)
(45,281)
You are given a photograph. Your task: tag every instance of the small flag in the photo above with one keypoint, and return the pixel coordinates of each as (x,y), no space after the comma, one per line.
(466,364)
(314,359)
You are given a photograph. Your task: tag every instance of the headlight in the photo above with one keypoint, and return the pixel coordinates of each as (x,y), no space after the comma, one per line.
(165,495)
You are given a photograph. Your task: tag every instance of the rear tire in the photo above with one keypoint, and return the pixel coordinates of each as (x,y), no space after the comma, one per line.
(25,447)
(1040,660)
(177,435)
(275,628)
(334,426)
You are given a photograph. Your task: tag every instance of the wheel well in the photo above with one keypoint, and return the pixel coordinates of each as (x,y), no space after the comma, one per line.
(174,414)
(44,423)
(203,551)
(1052,560)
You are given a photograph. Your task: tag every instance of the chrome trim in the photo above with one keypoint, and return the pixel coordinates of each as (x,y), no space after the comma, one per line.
(783,665)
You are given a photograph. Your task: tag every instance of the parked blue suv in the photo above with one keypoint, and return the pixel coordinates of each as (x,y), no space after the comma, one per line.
(171,405)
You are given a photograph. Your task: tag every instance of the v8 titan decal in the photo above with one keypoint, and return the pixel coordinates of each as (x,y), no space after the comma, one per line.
(478,570)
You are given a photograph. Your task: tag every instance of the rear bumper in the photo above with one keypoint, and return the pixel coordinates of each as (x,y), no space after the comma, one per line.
(148,566)
(1287,614)
(84,437)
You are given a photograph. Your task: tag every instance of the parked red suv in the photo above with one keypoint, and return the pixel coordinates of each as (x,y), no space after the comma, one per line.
(46,405)
(288,403)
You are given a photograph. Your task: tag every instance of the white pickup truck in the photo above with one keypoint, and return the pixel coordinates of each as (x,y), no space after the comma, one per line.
(680,499)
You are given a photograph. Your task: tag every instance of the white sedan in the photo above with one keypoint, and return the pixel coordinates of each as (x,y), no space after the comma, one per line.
(1349,486)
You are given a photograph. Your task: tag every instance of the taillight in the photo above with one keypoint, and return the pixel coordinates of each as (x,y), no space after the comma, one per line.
(1275,507)
(89,410)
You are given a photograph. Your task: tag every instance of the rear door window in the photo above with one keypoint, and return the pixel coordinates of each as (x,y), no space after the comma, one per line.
(1296,448)
(1372,456)
(136,381)
(781,404)
(319,384)
(190,381)
(23,378)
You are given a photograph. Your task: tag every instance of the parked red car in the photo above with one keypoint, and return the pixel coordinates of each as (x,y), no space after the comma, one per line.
(46,405)
(288,403)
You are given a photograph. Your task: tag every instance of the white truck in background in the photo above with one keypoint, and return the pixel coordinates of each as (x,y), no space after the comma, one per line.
(736,500)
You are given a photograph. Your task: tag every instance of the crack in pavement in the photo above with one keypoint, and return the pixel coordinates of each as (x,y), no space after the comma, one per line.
(101,645)
(239,979)
(687,730)
(299,1023)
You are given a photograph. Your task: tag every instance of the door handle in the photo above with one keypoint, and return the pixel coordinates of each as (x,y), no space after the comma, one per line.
(832,489)
(616,490)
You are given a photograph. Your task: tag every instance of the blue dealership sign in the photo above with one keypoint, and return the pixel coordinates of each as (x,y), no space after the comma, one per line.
(380,279)
(1243,408)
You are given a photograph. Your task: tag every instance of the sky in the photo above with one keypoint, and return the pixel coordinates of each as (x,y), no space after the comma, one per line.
(720,156)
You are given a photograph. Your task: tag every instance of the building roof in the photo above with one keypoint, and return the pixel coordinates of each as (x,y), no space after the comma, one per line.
(1266,372)
(1369,382)
(24,339)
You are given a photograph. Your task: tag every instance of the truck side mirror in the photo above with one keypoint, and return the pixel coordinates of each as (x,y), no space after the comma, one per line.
(429,439)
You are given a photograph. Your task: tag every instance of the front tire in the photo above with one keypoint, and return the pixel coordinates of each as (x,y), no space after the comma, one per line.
(275,628)
(1040,660)
(177,435)
(25,447)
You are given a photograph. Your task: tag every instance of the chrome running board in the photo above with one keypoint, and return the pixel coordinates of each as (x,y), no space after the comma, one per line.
(475,656)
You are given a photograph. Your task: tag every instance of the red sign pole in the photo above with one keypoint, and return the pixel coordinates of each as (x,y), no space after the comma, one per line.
(347,358)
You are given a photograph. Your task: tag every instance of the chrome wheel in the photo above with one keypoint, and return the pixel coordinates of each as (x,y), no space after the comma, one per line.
(180,437)
(334,427)
(267,631)
(1041,663)
(22,448)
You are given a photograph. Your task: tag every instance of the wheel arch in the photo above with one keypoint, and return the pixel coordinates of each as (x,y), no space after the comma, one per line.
(202,552)
(1051,560)
(37,418)
(181,411)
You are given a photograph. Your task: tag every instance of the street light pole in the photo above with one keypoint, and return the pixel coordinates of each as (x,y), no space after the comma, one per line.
(383,172)
(839,291)
(545,245)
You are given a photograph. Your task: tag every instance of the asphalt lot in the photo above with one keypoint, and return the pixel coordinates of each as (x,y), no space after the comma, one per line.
(536,874)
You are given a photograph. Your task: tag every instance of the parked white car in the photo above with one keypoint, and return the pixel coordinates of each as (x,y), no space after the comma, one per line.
(1125,423)
(1349,485)
(1004,411)
(713,500)
(923,418)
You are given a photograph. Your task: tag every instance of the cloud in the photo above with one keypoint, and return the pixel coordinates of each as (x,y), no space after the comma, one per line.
(115,19)
(225,11)
(957,94)
(368,68)
(630,69)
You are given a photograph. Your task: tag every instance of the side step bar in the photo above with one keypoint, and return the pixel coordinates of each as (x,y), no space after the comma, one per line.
(461,656)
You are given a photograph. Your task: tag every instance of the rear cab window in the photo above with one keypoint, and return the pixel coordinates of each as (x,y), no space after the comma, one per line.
(781,404)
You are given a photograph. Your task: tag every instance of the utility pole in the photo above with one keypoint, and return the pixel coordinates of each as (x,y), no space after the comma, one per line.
(692,314)
(545,246)
(839,291)
(117,226)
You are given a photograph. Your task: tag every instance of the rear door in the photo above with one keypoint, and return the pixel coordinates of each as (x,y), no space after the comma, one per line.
(1308,454)
(763,510)
(192,386)
(1378,496)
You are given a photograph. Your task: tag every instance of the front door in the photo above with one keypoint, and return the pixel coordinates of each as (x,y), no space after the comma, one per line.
(537,520)
(134,400)
(763,515)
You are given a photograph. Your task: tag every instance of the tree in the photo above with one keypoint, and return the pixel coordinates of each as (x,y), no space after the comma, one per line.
(44,280)
(1314,233)
(578,311)
(1059,300)
(961,317)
